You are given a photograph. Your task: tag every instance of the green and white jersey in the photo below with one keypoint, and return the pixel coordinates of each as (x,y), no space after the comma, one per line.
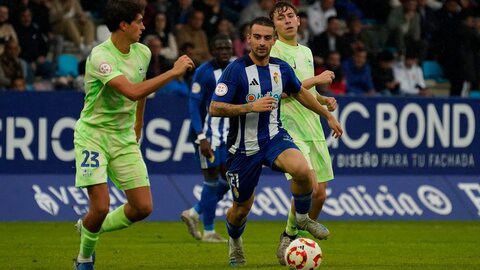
(104,107)
(301,123)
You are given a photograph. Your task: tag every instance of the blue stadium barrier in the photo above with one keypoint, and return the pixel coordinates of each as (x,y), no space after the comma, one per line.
(417,156)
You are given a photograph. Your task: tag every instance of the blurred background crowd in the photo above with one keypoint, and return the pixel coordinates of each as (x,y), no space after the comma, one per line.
(375,47)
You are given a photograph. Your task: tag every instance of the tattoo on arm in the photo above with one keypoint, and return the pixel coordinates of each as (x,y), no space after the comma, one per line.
(228,110)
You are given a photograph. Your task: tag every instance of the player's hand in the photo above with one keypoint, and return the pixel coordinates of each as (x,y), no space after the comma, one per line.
(331,103)
(326,77)
(183,64)
(337,130)
(206,149)
(264,104)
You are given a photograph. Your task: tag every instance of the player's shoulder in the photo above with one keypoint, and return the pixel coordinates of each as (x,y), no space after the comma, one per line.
(278,61)
(205,67)
(141,48)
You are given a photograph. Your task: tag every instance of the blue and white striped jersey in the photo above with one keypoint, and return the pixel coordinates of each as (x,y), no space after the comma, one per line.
(242,82)
(203,85)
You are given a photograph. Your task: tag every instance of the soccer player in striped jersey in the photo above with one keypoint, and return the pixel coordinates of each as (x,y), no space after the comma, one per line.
(107,133)
(211,138)
(249,92)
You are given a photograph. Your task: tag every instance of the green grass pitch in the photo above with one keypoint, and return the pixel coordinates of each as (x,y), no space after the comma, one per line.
(167,245)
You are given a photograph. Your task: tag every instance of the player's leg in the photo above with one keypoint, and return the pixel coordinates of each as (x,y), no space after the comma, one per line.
(128,172)
(243,175)
(208,201)
(321,161)
(285,156)
(91,173)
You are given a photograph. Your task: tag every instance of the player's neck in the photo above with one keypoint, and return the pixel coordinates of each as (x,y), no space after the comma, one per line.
(291,42)
(259,61)
(121,43)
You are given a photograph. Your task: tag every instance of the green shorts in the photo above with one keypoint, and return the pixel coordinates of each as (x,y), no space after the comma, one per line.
(318,158)
(99,154)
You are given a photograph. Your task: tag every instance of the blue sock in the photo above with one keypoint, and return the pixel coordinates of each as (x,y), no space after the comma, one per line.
(222,188)
(302,202)
(235,231)
(208,202)
(198,208)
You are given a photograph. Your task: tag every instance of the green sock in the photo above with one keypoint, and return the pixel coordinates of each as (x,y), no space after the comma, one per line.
(88,242)
(115,220)
(291,228)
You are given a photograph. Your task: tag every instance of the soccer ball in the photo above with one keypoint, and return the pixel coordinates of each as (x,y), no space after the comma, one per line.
(303,253)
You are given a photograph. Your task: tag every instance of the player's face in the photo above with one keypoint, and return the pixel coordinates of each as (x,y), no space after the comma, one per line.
(261,40)
(222,50)
(286,23)
(135,28)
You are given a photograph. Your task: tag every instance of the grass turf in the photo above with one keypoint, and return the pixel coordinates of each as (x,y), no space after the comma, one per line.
(167,245)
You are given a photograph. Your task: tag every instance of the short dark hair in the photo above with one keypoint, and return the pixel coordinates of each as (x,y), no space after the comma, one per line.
(118,11)
(262,21)
(217,37)
(281,6)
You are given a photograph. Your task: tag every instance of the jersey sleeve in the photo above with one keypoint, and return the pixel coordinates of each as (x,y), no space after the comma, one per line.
(292,84)
(227,85)
(103,66)
(197,94)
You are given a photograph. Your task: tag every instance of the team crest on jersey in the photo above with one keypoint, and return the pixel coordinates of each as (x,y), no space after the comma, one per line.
(221,89)
(105,68)
(275,77)
(196,88)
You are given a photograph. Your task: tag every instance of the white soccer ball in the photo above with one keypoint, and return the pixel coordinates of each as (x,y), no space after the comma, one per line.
(303,253)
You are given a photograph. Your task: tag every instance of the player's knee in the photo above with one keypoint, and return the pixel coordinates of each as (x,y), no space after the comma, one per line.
(319,196)
(301,173)
(143,210)
(100,211)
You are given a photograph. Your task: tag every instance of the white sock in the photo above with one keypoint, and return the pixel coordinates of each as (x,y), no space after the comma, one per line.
(208,232)
(82,259)
(193,213)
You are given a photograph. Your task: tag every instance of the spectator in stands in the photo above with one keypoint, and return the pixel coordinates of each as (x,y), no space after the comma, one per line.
(95,8)
(333,62)
(304,36)
(226,27)
(330,40)
(213,12)
(158,62)
(149,13)
(69,20)
(11,66)
(7,32)
(318,13)
(410,76)
(19,85)
(358,74)
(193,33)
(180,12)
(382,73)
(161,28)
(34,46)
(255,9)
(403,25)
(240,44)
(358,37)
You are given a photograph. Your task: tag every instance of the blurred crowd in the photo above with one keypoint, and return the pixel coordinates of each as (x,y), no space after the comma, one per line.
(375,47)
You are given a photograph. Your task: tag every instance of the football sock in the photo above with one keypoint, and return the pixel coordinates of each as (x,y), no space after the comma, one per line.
(222,188)
(302,202)
(208,201)
(235,231)
(195,211)
(115,220)
(291,228)
(88,242)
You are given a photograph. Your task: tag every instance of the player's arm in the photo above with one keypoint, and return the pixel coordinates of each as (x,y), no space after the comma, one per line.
(140,90)
(224,109)
(196,120)
(310,102)
(139,118)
